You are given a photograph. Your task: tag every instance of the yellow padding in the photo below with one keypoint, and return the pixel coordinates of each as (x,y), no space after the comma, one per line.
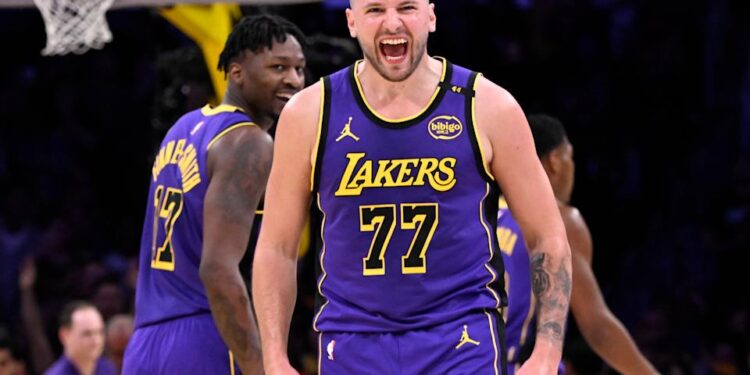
(209,26)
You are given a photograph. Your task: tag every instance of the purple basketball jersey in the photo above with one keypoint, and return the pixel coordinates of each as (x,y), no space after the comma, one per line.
(408,211)
(520,319)
(168,283)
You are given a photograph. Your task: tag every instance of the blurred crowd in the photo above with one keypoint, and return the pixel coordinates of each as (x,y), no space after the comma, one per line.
(655,95)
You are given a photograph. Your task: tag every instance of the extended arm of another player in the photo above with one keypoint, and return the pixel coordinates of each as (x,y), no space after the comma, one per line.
(601,329)
(286,207)
(524,183)
(238,164)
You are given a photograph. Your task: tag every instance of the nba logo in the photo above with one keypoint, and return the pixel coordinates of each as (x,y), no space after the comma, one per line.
(329,349)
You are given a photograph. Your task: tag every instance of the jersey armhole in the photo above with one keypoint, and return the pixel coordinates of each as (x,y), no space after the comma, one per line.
(227,130)
(320,141)
(476,144)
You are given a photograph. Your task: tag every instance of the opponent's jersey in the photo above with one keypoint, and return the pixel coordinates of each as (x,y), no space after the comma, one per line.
(521,318)
(169,286)
(408,211)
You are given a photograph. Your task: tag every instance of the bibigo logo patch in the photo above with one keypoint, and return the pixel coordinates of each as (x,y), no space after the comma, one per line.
(445,127)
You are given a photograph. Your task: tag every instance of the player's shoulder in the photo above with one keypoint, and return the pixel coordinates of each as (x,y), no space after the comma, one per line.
(224,114)
(306,101)
(493,96)
(573,219)
(496,111)
(213,117)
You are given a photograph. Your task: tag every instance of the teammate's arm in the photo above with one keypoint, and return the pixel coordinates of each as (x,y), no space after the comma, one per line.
(601,329)
(286,206)
(238,167)
(510,150)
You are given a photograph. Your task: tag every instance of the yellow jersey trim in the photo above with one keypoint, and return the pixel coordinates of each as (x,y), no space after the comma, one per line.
(489,247)
(320,131)
(231,363)
(476,132)
(209,110)
(494,341)
(322,268)
(227,130)
(320,351)
(403,119)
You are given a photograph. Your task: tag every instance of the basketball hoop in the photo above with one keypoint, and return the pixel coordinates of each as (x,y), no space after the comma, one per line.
(74,25)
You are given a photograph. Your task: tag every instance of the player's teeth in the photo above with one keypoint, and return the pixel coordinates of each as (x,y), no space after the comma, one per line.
(394,41)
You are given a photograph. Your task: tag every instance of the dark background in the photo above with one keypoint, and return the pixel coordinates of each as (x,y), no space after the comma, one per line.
(655,96)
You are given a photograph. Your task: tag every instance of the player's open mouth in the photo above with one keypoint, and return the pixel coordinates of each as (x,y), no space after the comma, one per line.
(284,96)
(394,49)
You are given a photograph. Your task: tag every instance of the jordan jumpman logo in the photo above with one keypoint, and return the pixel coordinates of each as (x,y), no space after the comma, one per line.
(465,339)
(347,132)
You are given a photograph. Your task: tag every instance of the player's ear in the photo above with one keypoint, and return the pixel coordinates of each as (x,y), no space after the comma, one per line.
(62,335)
(554,159)
(433,18)
(235,72)
(350,23)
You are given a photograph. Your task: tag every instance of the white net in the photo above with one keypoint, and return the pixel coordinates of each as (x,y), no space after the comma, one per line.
(74,25)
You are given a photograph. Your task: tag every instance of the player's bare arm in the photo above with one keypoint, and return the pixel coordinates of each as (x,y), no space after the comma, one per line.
(509,149)
(287,202)
(602,330)
(238,166)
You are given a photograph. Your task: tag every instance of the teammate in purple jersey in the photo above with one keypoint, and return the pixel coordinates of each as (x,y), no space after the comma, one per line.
(601,329)
(403,156)
(193,312)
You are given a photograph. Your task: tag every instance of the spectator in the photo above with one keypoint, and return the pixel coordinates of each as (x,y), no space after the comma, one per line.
(82,336)
(11,362)
(119,330)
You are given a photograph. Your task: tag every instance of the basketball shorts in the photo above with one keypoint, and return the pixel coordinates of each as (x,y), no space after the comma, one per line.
(186,346)
(472,345)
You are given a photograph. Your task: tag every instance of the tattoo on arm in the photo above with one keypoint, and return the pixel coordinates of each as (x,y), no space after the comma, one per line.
(553,294)
(539,275)
(246,184)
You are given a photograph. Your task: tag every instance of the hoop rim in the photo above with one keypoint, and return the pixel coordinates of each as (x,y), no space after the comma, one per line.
(162,3)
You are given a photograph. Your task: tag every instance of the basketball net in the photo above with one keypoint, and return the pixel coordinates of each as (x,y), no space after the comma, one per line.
(74,25)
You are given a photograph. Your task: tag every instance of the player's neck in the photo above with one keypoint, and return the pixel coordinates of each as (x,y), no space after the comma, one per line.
(235,99)
(417,88)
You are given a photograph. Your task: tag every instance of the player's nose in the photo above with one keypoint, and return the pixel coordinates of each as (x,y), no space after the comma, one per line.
(294,78)
(392,22)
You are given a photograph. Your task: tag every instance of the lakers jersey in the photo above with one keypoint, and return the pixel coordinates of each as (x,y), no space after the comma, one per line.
(169,286)
(521,318)
(407,211)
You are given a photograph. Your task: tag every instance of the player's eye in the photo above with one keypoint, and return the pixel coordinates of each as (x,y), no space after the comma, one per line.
(407,8)
(374,10)
(278,67)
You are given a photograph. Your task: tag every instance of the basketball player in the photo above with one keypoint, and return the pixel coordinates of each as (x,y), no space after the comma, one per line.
(599,326)
(403,154)
(207,180)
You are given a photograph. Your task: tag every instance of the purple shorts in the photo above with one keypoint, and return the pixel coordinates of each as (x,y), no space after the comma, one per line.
(471,345)
(190,345)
